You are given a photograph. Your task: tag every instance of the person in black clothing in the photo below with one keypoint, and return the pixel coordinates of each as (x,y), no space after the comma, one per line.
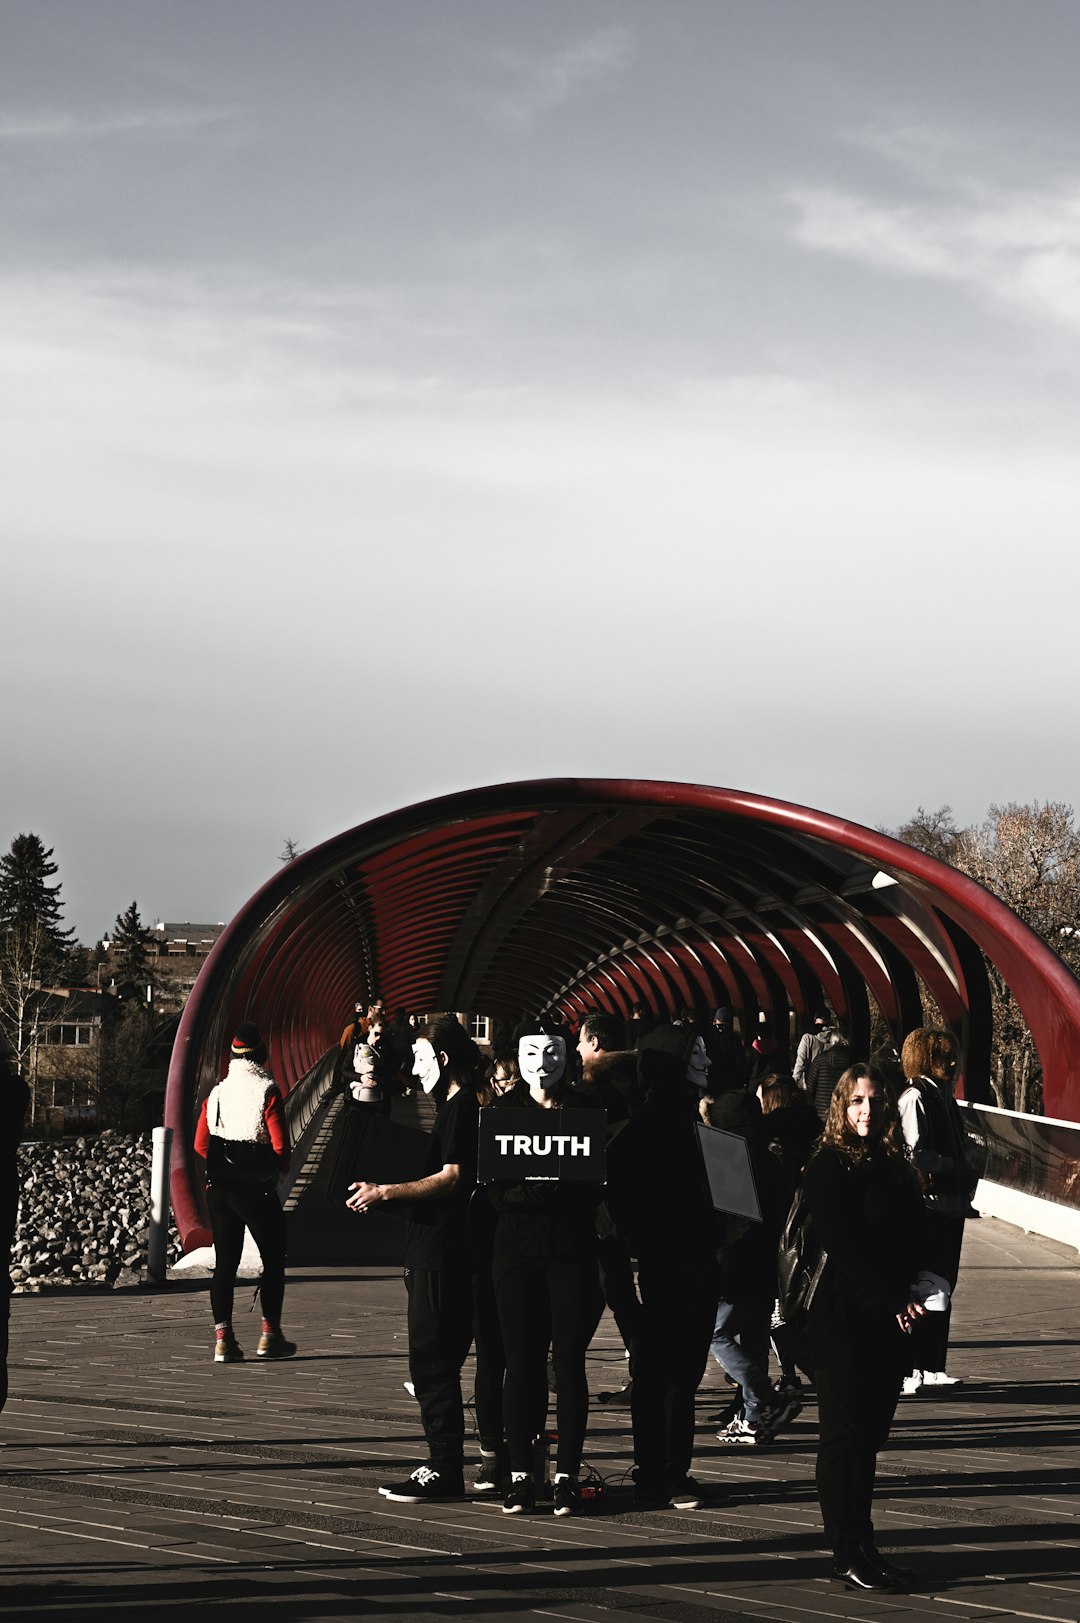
(14,1098)
(747,1258)
(727,1061)
(936,1143)
(660,1203)
(547,1291)
(867,1213)
(791,1129)
(438,1272)
(503,1087)
(611,1074)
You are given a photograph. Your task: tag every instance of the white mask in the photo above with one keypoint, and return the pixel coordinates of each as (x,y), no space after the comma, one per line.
(542,1061)
(426,1067)
(698,1065)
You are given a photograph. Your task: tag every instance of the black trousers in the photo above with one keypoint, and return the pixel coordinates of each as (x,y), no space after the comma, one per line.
(930,1337)
(542,1302)
(440,1334)
(231,1212)
(617,1284)
(856,1405)
(490,1361)
(671,1349)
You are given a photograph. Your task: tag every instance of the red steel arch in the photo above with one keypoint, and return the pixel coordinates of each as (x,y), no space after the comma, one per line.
(575,892)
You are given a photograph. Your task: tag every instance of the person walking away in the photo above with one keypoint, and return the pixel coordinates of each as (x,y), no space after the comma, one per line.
(243,1137)
(933,1132)
(812,1044)
(867,1214)
(826,1069)
(438,1273)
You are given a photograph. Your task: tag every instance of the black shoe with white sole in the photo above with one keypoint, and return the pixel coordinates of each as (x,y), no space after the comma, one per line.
(426,1483)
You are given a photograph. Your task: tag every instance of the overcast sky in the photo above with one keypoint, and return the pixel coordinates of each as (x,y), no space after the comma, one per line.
(397,397)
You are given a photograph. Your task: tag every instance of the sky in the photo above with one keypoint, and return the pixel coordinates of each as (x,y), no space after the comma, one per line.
(399,396)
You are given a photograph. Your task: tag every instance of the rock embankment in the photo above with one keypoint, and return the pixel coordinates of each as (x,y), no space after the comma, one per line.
(84,1217)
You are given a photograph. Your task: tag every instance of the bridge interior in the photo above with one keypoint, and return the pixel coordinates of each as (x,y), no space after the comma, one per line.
(572,894)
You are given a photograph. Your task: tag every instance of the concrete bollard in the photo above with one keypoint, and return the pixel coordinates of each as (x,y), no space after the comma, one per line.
(157,1244)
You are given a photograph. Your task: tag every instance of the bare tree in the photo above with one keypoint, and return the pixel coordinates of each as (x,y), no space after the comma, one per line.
(1029,856)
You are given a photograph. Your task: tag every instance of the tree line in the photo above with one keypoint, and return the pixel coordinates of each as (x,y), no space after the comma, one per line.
(39,959)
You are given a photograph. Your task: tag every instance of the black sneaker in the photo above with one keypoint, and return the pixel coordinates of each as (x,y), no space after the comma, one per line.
(686,1495)
(520,1497)
(781,1412)
(426,1483)
(492,1475)
(567,1497)
(620,1399)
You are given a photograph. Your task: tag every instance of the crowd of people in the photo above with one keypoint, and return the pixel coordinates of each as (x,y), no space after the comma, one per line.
(521,1268)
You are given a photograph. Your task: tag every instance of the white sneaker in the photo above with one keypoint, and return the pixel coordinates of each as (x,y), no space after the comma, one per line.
(938,1377)
(912,1382)
(410,1388)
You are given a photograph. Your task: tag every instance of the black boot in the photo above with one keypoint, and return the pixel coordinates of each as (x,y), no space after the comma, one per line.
(856,1572)
(881,1563)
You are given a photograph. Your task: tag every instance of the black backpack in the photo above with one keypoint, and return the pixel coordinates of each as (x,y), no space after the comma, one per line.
(800,1261)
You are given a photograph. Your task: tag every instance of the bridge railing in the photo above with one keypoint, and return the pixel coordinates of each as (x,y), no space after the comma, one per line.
(1029,1168)
(1030,1154)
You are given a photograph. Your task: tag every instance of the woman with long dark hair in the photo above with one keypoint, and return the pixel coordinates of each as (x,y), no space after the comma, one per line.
(867,1213)
(438,1275)
(243,1137)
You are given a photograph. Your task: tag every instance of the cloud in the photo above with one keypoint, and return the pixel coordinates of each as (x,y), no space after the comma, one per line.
(56,125)
(545,83)
(1018,250)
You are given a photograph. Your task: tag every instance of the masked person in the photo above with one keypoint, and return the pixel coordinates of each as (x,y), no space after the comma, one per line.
(438,1272)
(546,1291)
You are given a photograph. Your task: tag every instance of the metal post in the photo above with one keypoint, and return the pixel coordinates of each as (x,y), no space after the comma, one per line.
(157,1245)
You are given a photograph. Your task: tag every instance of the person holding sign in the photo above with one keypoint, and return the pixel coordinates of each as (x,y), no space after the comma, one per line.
(546,1289)
(438,1273)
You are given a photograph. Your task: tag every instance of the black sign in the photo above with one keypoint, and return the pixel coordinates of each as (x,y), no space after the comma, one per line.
(731,1177)
(516,1145)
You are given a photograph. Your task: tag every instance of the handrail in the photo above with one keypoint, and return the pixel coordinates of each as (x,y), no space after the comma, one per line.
(1032,1155)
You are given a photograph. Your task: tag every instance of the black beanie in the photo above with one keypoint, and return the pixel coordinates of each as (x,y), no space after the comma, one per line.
(247,1041)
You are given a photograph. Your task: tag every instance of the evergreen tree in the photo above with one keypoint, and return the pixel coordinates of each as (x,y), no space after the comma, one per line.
(27,900)
(34,946)
(131,943)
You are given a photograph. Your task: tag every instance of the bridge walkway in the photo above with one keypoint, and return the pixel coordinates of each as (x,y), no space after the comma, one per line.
(135,1474)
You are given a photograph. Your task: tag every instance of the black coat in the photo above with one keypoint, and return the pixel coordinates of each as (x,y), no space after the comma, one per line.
(870,1220)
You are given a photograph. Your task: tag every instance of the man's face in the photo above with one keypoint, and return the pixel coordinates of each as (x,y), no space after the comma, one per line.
(587,1046)
(541,1061)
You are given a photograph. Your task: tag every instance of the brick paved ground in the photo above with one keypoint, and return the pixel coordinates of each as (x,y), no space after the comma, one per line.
(138,1477)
